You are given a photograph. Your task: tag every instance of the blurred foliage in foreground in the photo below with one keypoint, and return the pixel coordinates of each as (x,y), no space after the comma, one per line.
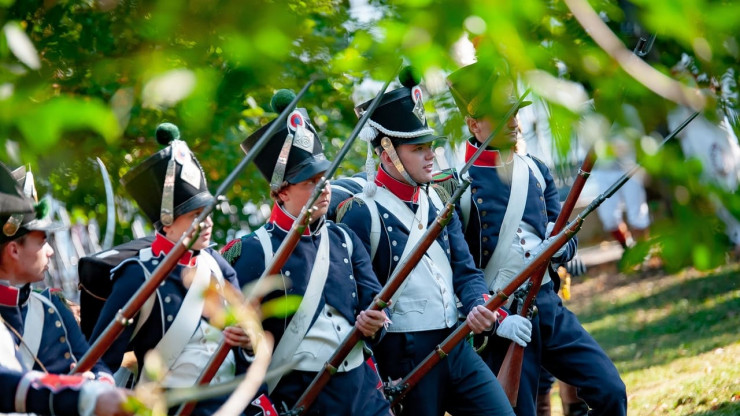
(80,79)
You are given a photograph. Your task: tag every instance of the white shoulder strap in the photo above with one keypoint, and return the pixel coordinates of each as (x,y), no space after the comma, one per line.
(8,358)
(188,317)
(212,265)
(301,321)
(266,243)
(374,222)
(146,308)
(512,218)
(465,201)
(32,325)
(536,171)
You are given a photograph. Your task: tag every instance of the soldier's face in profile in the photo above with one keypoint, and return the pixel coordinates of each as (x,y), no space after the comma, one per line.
(295,197)
(182,223)
(418,160)
(482,127)
(32,253)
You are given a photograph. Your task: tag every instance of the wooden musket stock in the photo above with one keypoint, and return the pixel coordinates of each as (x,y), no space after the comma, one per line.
(511,369)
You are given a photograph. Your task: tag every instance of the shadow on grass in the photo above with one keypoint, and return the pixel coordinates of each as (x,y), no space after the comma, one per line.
(685,319)
(696,288)
(722,409)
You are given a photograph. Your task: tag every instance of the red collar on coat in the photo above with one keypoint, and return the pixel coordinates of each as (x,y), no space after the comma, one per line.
(9,295)
(283,219)
(487,159)
(161,245)
(403,191)
(13,296)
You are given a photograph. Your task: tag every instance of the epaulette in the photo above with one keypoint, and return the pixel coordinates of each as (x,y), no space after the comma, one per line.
(445,184)
(443,193)
(345,206)
(232,251)
(444,175)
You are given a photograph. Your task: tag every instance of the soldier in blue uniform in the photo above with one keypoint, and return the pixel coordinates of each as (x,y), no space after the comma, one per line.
(389,217)
(329,268)
(25,390)
(171,189)
(48,336)
(513,200)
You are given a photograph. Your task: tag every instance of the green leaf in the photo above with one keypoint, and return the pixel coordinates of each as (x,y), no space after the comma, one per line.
(281,307)
(44,124)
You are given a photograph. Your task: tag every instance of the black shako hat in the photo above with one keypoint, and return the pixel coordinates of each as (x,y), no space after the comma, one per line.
(20,211)
(294,153)
(170,182)
(479,91)
(400,115)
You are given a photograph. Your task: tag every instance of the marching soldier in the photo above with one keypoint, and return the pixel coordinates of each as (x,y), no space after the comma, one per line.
(513,200)
(389,218)
(329,268)
(36,391)
(48,336)
(170,187)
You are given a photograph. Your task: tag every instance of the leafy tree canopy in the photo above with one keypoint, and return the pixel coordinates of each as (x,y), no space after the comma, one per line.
(80,79)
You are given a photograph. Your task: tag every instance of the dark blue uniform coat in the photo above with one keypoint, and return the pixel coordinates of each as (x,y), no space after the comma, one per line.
(47,394)
(460,384)
(127,280)
(350,287)
(62,342)
(559,342)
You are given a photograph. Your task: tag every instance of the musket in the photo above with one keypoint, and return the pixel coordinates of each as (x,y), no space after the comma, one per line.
(124,317)
(398,391)
(291,240)
(511,370)
(400,274)
(510,373)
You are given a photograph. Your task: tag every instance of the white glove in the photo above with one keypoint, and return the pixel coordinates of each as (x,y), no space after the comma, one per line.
(516,328)
(548,240)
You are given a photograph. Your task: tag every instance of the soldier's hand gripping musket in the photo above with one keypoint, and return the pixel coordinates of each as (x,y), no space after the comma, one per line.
(539,261)
(165,267)
(511,369)
(290,242)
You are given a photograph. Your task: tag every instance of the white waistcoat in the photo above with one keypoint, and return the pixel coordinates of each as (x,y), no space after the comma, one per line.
(426,299)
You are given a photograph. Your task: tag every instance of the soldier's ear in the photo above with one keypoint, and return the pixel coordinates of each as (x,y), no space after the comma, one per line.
(11,249)
(283,195)
(384,158)
(472,125)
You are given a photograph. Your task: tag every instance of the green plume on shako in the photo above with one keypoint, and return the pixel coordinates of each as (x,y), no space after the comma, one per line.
(167,133)
(281,100)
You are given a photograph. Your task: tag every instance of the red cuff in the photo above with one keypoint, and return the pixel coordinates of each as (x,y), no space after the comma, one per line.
(502,314)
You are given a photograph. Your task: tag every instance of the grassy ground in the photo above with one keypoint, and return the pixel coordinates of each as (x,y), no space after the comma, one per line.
(674,338)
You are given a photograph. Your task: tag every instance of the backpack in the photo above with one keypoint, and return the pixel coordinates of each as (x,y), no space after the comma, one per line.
(95,281)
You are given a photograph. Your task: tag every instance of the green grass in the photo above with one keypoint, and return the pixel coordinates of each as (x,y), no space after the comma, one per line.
(674,338)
